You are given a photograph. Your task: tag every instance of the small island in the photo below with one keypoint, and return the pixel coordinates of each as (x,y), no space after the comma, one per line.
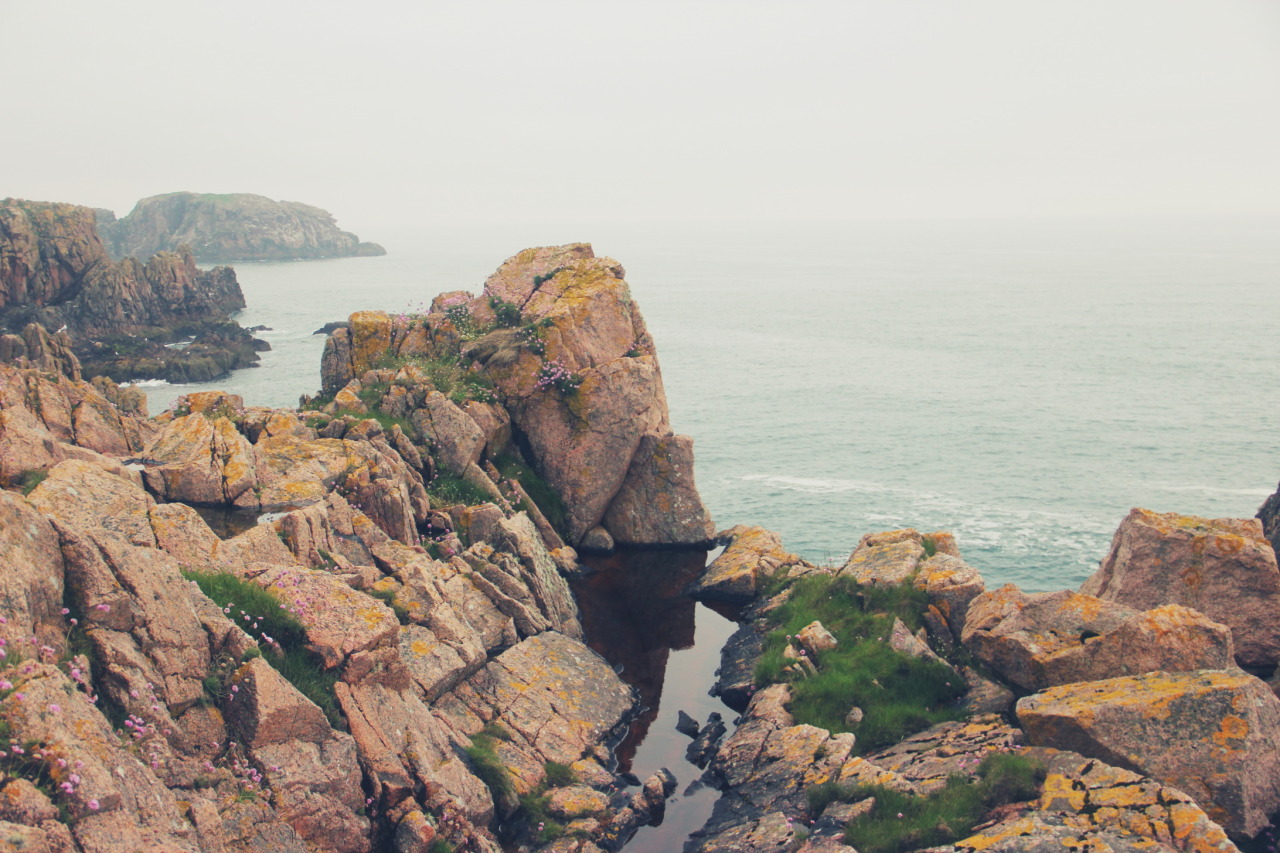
(229,227)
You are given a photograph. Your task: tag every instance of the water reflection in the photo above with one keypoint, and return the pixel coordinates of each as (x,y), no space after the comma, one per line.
(634,613)
(668,648)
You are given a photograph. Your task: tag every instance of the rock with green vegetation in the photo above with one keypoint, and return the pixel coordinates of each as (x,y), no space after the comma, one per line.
(225,227)
(1212,734)
(553,351)
(114,802)
(55,271)
(1223,567)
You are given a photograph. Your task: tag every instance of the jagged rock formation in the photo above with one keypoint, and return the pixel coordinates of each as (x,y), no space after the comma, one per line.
(54,270)
(562,364)
(226,227)
(435,643)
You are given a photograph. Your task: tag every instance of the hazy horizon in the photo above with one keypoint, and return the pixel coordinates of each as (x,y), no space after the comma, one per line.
(577,113)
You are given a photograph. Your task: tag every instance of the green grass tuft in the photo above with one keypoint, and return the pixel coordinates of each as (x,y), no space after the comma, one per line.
(30,479)
(898,695)
(483,753)
(446,490)
(538,489)
(559,775)
(901,822)
(299,665)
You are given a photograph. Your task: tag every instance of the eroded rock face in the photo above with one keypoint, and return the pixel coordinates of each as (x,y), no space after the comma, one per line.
(46,419)
(1224,567)
(658,500)
(1044,639)
(1213,735)
(555,696)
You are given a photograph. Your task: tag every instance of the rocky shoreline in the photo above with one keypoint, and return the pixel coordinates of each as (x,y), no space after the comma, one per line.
(392,657)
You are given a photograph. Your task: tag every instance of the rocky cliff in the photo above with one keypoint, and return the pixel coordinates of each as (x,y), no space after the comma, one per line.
(551,362)
(55,271)
(221,228)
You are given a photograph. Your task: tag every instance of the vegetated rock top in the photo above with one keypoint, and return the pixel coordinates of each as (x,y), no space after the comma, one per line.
(222,227)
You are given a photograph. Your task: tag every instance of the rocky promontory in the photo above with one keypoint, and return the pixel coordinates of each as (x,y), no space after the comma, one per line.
(162,318)
(227,227)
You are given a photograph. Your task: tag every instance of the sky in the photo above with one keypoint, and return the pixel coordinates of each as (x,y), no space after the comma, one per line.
(696,111)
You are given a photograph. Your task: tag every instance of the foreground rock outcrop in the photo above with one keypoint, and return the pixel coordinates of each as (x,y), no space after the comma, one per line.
(226,227)
(392,659)
(55,271)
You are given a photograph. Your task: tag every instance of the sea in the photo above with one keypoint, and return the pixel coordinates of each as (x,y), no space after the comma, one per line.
(1021,384)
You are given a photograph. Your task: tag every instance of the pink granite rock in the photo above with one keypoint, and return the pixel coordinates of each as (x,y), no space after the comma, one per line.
(1224,567)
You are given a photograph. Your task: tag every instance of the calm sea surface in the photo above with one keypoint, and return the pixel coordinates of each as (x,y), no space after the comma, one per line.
(1019,384)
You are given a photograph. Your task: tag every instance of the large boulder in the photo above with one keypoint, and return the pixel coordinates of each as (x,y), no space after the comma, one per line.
(587,440)
(202,460)
(1043,639)
(1212,734)
(31,584)
(658,501)
(951,584)
(751,557)
(1223,567)
(886,559)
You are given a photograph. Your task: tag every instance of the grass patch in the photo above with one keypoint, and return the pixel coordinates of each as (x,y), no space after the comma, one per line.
(559,775)
(538,489)
(384,420)
(899,695)
(483,753)
(388,597)
(289,655)
(900,822)
(446,490)
(30,479)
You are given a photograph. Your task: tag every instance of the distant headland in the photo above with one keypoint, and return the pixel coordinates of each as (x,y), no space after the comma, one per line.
(228,227)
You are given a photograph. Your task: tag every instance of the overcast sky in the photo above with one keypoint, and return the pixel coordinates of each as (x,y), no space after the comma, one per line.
(388,113)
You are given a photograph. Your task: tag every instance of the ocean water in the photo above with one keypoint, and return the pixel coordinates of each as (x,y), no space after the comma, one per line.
(1020,384)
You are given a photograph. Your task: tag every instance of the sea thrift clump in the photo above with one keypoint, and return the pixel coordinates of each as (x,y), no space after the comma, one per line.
(553,374)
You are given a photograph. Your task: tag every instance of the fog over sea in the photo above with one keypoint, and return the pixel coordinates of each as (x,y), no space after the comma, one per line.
(1021,384)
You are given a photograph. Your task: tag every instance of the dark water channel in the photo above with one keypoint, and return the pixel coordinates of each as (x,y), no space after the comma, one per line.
(667,646)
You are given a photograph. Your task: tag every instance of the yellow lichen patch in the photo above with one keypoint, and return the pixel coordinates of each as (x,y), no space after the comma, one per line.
(1128,796)
(1003,832)
(1060,795)
(421,647)
(1086,606)
(1232,728)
